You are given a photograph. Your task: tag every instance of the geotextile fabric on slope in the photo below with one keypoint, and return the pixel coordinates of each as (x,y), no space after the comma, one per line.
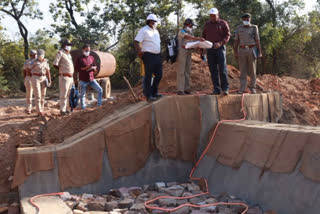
(269,148)
(26,164)
(129,142)
(178,126)
(81,163)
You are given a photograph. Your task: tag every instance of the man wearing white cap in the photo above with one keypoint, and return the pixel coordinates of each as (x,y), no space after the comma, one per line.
(217,31)
(147,44)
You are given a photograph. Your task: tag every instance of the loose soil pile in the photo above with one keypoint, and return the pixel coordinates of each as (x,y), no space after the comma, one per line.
(301,103)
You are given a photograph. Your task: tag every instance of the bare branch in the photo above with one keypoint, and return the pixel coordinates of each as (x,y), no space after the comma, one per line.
(22,8)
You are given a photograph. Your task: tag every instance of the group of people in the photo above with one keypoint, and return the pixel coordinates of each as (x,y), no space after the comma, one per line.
(246,48)
(37,77)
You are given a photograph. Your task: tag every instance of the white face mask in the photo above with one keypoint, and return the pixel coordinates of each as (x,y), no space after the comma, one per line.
(155,25)
(246,22)
(68,48)
(86,53)
(189,29)
(40,57)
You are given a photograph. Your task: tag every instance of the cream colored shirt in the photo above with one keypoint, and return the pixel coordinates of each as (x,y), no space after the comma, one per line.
(247,35)
(149,39)
(38,67)
(64,61)
(182,40)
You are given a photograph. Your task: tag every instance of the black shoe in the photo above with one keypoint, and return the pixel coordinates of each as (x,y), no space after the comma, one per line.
(216,93)
(226,92)
(180,93)
(157,96)
(187,92)
(151,99)
(65,113)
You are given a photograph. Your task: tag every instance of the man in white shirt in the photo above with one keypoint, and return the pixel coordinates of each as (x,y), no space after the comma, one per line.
(147,44)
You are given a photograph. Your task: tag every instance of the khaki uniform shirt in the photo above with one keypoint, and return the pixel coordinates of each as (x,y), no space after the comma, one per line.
(64,61)
(26,66)
(247,35)
(182,40)
(38,67)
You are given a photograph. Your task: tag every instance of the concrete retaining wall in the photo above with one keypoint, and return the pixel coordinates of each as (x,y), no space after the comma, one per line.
(244,182)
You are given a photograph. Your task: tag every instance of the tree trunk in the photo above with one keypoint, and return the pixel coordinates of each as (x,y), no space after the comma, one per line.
(178,15)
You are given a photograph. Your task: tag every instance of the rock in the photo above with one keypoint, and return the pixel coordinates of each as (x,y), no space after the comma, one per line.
(193,187)
(115,193)
(82,206)
(211,201)
(176,191)
(182,201)
(167,202)
(113,212)
(224,210)
(96,206)
(144,195)
(198,212)
(209,209)
(153,195)
(86,196)
(182,210)
(195,200)
(159,212)
(77,211)
(254,210)
(237,208)
(108,197)
(100,200)
(109,206)
(160,185)
(171,184)
(120,210)
(187,194)
(138,207)
(124,192)
(135,191)
(126,203)
(72,204)
(134,212)
(65,196)
(148,187)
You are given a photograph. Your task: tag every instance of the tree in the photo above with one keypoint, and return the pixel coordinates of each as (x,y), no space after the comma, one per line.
(83,22)
(17,9)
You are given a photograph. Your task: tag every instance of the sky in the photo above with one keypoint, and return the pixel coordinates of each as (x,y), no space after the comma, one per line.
(33,25)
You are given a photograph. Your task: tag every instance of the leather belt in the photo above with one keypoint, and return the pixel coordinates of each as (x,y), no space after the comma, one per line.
(38,74)
(66,75)
(247,46)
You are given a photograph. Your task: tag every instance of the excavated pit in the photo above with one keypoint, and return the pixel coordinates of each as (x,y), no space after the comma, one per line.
(148,143)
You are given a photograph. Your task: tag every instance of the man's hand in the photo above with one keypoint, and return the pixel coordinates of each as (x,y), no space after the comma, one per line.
(49,84)
(140,54)
(216,45)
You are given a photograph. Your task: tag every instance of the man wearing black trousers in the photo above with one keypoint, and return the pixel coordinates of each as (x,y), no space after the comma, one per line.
(147,44)
(217,31)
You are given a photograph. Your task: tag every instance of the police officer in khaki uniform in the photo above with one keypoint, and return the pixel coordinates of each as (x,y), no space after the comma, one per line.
(247,49)
(63,62)
(41,79)
(184,58)
(28,81)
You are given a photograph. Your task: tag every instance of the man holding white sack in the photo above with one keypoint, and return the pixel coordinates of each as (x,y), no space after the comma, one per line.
(217,31)
(184,57)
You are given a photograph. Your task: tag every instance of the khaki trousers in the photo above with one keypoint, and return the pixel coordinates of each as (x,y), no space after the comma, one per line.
(184,70)
(29,92)
(247,64)
(40,89)
(65,84)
